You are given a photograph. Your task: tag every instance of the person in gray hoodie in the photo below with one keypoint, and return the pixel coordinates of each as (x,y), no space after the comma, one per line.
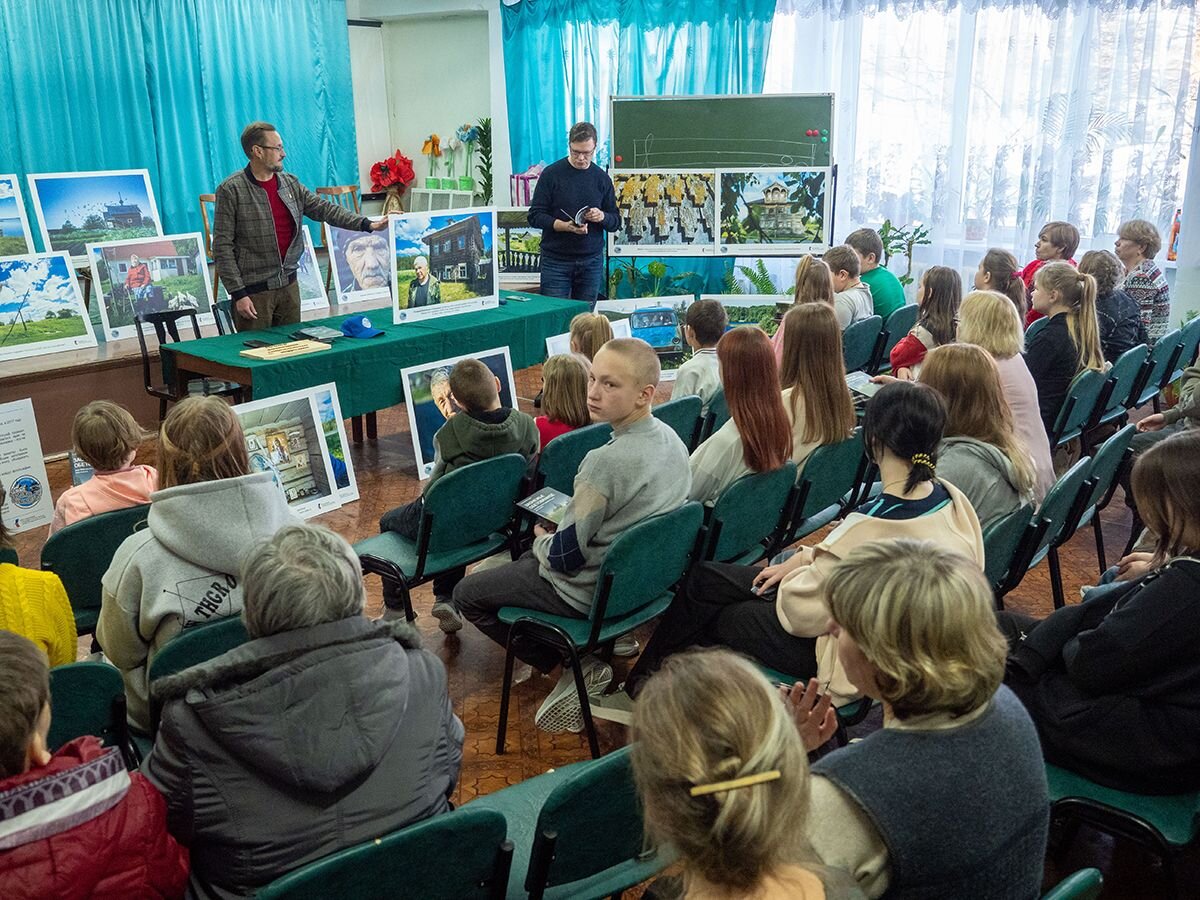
(181,570)
(323,731)
(980,453)
(851,296)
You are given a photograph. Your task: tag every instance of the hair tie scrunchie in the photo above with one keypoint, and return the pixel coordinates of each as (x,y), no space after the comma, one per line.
(923,459)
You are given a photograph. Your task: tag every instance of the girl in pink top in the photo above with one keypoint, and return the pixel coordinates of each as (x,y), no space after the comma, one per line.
(564,396)
(106,436)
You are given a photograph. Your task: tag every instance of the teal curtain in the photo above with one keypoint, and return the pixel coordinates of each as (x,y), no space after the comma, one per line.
(167,85)
(563,59)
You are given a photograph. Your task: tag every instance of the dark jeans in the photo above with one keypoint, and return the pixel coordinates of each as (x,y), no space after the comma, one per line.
(716,608)
(481,595)
(573,278)
(406,521)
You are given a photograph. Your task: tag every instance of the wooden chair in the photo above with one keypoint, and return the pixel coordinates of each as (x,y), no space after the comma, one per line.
(207,200)
(343,195)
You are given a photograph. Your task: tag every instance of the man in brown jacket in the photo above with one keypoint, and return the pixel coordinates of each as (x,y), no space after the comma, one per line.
(256,232)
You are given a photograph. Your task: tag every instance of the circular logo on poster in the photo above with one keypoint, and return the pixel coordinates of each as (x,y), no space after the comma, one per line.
(25,492)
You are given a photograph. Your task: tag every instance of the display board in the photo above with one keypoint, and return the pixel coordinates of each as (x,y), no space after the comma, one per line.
(725,132)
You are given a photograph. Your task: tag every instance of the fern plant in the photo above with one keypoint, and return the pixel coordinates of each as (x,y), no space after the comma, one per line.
(760,279)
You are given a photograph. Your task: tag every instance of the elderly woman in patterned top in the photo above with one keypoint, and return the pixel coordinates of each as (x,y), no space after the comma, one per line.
(1138,242)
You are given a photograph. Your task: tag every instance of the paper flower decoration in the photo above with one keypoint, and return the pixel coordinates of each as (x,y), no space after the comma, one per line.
(395,172)
(467,134)
(432,146)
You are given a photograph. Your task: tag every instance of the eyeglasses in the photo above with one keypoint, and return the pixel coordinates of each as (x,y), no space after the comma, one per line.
(581,154)
(278,149)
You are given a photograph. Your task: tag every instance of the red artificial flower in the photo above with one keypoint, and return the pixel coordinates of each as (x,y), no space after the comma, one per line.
(395,171)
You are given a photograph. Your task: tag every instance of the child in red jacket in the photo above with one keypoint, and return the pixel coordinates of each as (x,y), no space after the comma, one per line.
(74,824)
(939,295)
(1056,240)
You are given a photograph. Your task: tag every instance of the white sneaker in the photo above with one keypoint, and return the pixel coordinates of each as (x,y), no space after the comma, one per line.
(560,711)
(449,619)
(615,707)
(522,672)
(626,646)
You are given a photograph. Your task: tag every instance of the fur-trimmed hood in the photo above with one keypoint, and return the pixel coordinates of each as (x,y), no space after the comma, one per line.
(316,707)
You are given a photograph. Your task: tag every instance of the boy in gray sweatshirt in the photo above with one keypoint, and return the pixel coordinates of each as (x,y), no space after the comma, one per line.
(642,471)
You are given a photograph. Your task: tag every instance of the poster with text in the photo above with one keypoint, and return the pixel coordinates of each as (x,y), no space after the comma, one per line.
(774,211)
(443,263)
(41,307)
(15,238)
(149,275)
(27,502)
(430,404)
(656,320)
(285,435)
(361,264)
(75,209)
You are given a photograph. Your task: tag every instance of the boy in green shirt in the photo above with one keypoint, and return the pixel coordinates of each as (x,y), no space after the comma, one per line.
(886,289)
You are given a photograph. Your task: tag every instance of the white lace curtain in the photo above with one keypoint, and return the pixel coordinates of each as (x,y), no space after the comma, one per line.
(985,120)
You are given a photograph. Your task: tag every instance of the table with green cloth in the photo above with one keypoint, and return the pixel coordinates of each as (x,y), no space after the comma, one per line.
(367,371)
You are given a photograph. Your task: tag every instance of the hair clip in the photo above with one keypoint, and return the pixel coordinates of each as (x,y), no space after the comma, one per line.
(733,784)
(922,459)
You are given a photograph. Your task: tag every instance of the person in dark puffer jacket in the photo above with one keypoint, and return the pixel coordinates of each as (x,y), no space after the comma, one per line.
(74,824)
(323,731)
(1118,314)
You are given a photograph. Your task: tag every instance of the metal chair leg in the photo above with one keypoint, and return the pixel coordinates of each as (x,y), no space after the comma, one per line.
(505,695)
(1101,558)
(1056,579)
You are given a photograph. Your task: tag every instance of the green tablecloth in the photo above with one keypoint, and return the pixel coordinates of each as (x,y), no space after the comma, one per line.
(367,372)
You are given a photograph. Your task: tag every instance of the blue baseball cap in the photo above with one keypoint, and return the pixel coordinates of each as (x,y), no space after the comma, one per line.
(359,327)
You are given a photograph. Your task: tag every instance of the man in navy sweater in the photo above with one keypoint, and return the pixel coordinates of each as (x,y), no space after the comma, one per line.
(574,204)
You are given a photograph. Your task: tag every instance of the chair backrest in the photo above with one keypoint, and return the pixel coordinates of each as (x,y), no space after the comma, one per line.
(1000,543)
(560,460)
(198,644)
(9,555)
(1056,508)
(223,316)
(646,561)
(897,326)
(590,823)
(748,511)
(1160,365)
(858,342)
(829,473)
(1106,463)
(80,555)
(87,698)
(1120,382)
(468,504)
(166,329)
(207,200)
(683,415)
(1085,884)
(463,853)
(342,194)
(718,414)
(1078,407)
(1033,329)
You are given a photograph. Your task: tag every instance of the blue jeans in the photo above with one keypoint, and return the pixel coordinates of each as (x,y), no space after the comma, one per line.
(575,278)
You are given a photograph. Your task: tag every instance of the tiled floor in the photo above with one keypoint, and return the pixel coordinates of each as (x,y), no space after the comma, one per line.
(386,478)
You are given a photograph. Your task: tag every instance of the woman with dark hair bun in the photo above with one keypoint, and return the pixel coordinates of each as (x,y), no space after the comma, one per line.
(778,615)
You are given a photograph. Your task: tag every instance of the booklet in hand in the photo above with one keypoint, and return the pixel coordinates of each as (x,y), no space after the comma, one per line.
(860,383)
(547,504)
(578,217)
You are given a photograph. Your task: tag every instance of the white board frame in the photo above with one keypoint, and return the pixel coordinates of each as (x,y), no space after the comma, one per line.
(34,177)
(425,466)
(204,311)
(41,348)
(14,184)
(778,249)
(474,304)
(23,470)
(306,507)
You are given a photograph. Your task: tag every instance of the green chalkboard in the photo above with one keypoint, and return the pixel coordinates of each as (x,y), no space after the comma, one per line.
(731,132)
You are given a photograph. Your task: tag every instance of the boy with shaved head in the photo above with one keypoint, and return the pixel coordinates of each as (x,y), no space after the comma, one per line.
(642,471)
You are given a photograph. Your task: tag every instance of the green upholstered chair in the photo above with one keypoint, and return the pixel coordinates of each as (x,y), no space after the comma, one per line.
(898,324)
(1101,483)
(80,555)
(1157,370)
(718,415)
(636,582)
(826,485)
(1078,408)
(577,831)
(9,555)
(751,516)
(1164,824)
(1189,341)
(190,648)
(1058,513)
(559,462)
(1118,385)
(1085,884)
(460,854)
(858,343)
(1001,541)
(468,514)
(1034,328)
(683,415)
(89,698)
